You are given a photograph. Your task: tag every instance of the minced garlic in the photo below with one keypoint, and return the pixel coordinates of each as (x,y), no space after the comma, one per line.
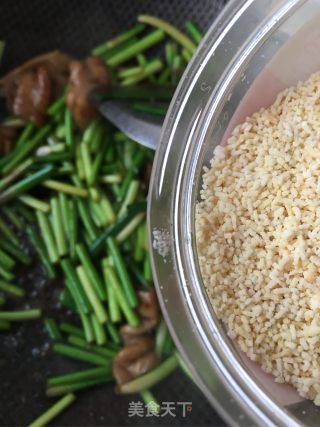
(258,236)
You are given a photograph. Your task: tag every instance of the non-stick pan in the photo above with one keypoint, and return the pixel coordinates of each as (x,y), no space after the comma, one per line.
(30,28)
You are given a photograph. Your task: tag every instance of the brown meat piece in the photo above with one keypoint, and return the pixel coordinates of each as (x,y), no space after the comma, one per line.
(30,89)
(56,63)
(146,325)
(134,359)
(33,95)
(129,339)
(134,350)
(148,310)
(121,374)
(148,307)
(137,356)
(84,77)
(7,137)
(143,364)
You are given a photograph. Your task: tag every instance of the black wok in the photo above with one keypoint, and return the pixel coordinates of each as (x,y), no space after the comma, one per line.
(31,27)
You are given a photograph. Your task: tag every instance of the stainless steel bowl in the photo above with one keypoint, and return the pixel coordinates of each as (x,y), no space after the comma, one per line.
(252,43)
